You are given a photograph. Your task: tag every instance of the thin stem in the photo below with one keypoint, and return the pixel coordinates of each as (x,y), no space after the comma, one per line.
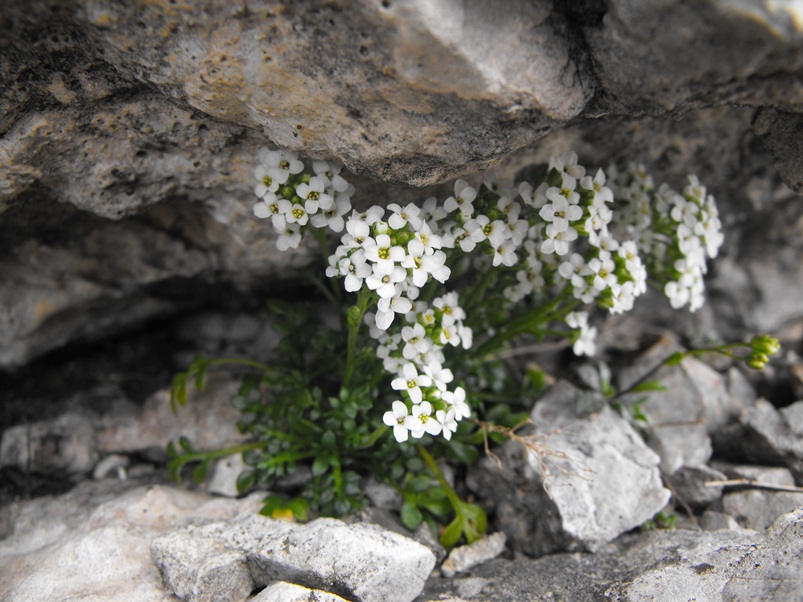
(380,430)
(450,493)
(242,362)
(354,320)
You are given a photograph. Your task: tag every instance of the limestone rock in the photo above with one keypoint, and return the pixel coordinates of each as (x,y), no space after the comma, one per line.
(602,479)
(64,446)
(465,558)
(361,562)
(658,565)
(757,509)
(93,542)
(290,592)
(766,436)
(208,420)
(689,484)
(201,569)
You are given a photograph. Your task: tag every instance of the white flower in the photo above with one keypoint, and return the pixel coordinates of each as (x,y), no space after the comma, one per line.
(533,198)
(358,230)
(333,217)
(387,308)
(577,319)
(567,163)
(602,194)
(384,279)
(267,181)
(411,381)
(383,253)
(447,422)
(559,212)
(314,196)
(505,254)
(290,238)
(558,242)
(464,195)
(432,212)
(457,400)
(294,213)
(330,173)
(400,217)
(586,342)
(422,421)
(416,341)
(440,376)
(602,270)
(397,418)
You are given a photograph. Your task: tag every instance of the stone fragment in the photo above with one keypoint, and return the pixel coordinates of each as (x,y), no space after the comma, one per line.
(92,543)
(201,569)
(208,420)
(695,53)
(63,447)
(112,465)
(772,571)
(664,566)
(223,475)
(712,520)
(772,475)
(766,436)
(290,592)
(678,417)
(465,558)
(361,562)
(780,131)
(689,485)
(757,509)
(602,479)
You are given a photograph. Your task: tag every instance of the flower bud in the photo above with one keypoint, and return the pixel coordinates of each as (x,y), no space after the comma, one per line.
(757,361)
(765,344)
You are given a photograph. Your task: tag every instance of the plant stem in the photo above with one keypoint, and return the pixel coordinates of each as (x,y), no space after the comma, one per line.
(354,321)
(242,362)
(454,499)
(380,430)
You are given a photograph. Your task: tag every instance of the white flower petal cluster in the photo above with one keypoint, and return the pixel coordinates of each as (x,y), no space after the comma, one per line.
(681,230)
(293,200)
(416,357)
(586,238)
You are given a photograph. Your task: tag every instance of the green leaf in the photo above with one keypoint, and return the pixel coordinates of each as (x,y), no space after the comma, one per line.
(321,465)
(246,480)
(329,439)
(271,503)
(410,515)
(185,444)
(199,472)
(300,508)
(451,534)
(674,359)
(467,454)
(638,414)
(650,385)
(172,452)
(419,483)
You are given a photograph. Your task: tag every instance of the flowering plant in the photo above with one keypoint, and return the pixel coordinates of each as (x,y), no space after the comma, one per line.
(440,289)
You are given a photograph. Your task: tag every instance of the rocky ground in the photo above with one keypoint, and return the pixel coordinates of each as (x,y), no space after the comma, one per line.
(129,132)
(87,512)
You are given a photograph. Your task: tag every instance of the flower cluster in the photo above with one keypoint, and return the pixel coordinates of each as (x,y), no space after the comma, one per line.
(293,198)
(574,240)
(676,231)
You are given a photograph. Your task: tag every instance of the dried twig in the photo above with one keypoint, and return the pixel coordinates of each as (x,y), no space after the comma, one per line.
(755,484)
